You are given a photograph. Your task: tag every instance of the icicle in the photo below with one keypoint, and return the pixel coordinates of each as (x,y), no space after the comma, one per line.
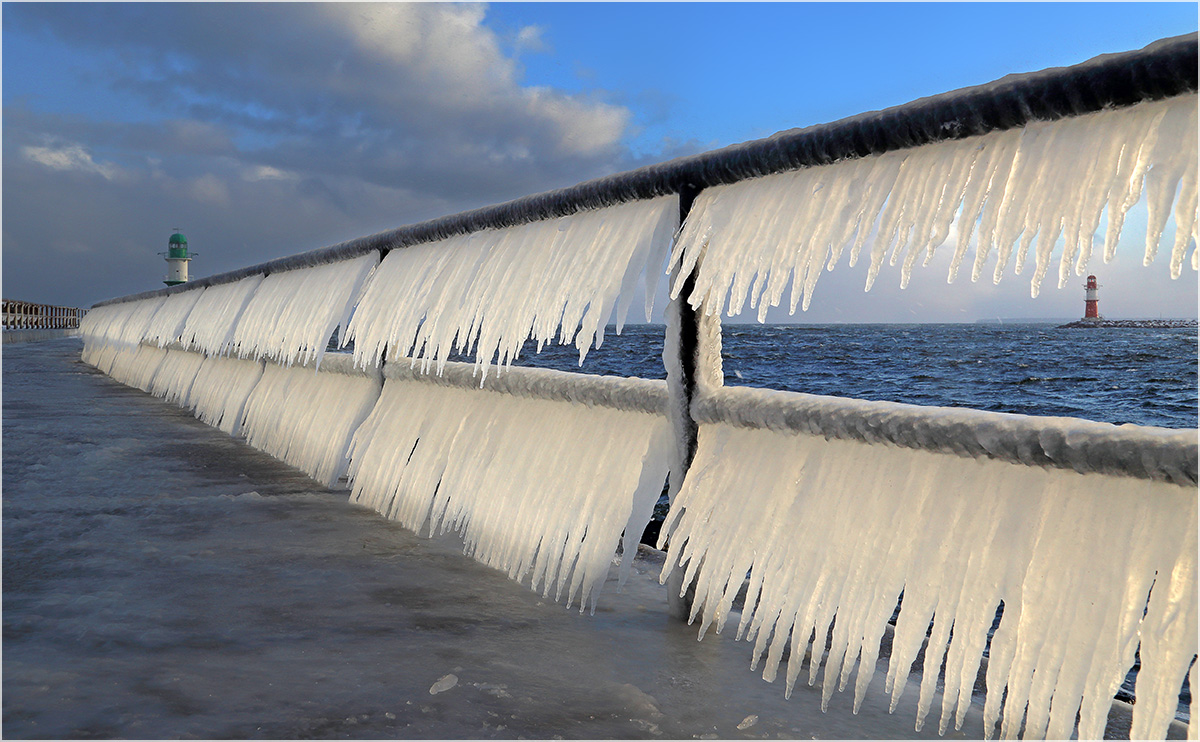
(292,315)
(1023,188)
(542,490)
(210,324)
(174,376)
(115,330)
(491,290)
(170,318)
(838,528)
(307,418)
(136,367)
(219,393)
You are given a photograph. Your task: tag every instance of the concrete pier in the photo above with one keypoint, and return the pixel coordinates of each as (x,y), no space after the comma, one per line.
(163,580)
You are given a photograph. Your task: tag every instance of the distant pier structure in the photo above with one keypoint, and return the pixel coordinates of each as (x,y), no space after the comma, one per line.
(178,258)
(1091,299)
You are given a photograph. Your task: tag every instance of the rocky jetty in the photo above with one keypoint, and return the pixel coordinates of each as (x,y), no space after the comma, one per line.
(1154,324)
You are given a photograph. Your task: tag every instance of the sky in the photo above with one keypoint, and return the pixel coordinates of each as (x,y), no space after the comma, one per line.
(263,130)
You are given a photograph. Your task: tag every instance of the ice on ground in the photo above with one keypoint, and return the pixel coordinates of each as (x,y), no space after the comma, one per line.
(1020,188)
(835,529)
(444,683)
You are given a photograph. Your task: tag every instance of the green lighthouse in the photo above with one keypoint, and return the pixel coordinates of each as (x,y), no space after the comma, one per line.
(177,259)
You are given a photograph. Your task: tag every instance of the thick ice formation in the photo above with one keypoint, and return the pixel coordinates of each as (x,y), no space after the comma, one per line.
(210,324)
(628,393)
(490,290)
(959,517)
(136,366)
(1085,446)
(294,413)
(1008,188)
(115,328)
(170,318)
(538,489)
(292,315)
(175,374)
(839,529)
(219,393)
(307,418)
(102,354)
(135,319)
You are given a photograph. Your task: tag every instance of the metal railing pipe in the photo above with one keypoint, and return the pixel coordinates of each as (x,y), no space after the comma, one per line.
(1138,451)
(629,394)
(1166,68)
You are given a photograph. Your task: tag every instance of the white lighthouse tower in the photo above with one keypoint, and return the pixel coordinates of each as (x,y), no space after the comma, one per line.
(178,258)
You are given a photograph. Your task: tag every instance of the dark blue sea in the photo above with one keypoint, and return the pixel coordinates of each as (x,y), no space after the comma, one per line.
(1115,375)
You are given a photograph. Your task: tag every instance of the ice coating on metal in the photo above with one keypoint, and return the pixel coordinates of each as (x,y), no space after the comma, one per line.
(439,458)
(210,324)
(487,292)
(1138,451)
(1014,191)
(291,315)
(832,531)
(219,393)
(175,375)
(170,318)
(307,419)
(340,363)
(126,325)
(628,393)
(135,366)
(1162,69)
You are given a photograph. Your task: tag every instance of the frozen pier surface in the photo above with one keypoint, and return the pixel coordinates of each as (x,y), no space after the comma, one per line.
(162,579)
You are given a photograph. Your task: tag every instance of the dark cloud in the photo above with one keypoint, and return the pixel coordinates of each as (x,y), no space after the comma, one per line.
(270,129)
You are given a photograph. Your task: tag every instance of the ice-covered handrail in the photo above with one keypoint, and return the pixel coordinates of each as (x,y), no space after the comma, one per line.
(627,393)
(630,394)
(1164,69)
(1062,442)
(334,363)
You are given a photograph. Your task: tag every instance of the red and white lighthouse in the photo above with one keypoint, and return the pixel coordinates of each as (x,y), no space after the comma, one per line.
(1091,302)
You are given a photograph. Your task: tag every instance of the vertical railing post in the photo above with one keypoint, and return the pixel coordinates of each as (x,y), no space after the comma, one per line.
(692,355)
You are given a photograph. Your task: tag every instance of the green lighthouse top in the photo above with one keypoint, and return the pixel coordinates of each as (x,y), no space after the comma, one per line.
(177,246)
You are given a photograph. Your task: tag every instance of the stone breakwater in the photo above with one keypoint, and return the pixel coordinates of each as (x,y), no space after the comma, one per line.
(1155,324)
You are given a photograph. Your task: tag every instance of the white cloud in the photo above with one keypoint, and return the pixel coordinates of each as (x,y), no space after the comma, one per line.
(209,189)
(529,38)
(266,172)
(447,64)
(69,158)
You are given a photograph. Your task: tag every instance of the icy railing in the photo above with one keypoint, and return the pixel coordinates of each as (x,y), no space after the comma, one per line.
(1034,184)
(414,443)
(425,439)
(475,461)
(952,513)
(1083,446)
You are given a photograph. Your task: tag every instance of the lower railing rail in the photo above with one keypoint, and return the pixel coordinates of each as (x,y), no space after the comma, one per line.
(1138,451)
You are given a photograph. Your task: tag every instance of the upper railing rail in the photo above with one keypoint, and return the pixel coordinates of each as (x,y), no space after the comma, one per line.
(1166,68)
